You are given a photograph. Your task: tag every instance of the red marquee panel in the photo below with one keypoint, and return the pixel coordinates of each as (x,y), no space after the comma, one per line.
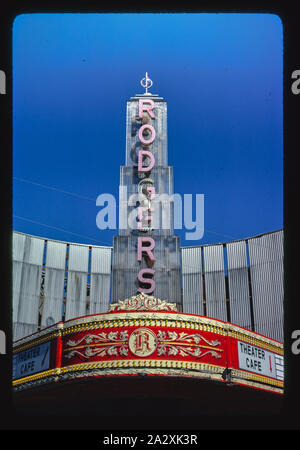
(158,342)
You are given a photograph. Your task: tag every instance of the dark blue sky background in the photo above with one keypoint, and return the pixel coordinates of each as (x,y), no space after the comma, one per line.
(221,75)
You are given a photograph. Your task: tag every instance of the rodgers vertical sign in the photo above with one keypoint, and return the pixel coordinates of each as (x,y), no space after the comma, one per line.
(146,244)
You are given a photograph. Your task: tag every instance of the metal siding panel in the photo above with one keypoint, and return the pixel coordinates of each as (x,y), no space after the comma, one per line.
(78,258)
(76,301)
(239,295)
(28,311)
(258,282)
(100,279)
(34,250)
(192,280)
(21,330)
(28,278)
(17,267)
(53,296)
(101,260)
(76,295)
(18,248)
(266,267)
(277,279)
(236,255)
(54,282)
(18,245)
(56,255)
(99,293)
(215,282)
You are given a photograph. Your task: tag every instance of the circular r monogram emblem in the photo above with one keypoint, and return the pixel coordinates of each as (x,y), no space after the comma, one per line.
(142,342)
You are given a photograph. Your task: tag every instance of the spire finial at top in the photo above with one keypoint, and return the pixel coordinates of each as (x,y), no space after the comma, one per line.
(146,83)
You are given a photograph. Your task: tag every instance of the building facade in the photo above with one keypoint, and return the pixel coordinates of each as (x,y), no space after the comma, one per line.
(146,305)
(240,282)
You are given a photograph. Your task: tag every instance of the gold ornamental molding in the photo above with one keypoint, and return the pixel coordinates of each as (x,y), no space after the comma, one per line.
(134,368)
(47,334)
(253,338)
(149,367)
(142,302)
(146,318)
(122,367)
(242,375)
(145,335)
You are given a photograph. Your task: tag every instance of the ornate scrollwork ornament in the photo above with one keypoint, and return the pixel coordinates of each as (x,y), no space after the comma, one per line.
(142,302)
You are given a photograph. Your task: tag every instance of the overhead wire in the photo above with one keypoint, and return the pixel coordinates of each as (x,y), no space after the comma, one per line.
(93,200)
(54,189)
(60,229)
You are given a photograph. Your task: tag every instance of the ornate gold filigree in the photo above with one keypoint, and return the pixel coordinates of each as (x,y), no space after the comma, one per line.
(142,342)
(172,343)
(112,344)
(142,302)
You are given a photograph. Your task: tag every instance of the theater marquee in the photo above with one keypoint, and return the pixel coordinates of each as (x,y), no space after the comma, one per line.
(144,335)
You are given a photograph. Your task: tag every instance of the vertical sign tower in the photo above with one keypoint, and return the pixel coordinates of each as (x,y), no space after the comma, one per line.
(146,254)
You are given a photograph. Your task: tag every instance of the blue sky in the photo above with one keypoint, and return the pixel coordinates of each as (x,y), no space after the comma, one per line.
(221,75)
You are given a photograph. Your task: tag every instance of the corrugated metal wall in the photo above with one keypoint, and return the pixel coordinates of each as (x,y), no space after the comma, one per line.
(54,281)
(77,281)
(253,271)
(239,294)
(215,281)
(191,261)
(27,266)
(266,268)
(18,245)
(239,281)
(100,280)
